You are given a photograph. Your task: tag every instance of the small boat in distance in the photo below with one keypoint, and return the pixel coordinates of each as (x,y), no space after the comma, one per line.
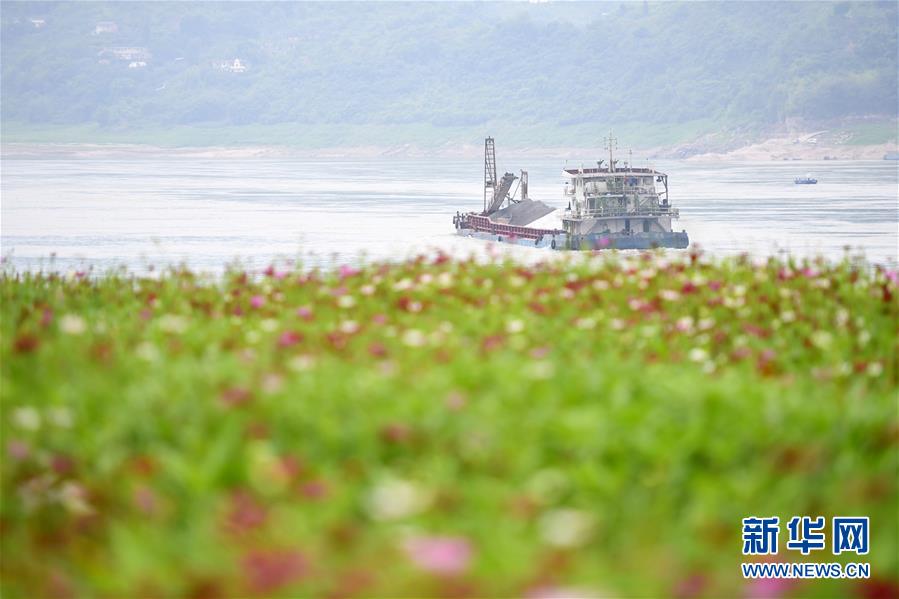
(806,180)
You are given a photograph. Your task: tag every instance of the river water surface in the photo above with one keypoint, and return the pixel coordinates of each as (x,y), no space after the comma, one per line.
(72,213)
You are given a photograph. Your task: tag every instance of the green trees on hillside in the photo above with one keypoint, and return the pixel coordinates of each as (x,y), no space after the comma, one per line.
(448,65)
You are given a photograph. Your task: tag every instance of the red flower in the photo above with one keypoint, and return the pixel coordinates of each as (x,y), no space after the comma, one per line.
(289,338)
(235,396)
(492,342)
(244,513)
(26,344)
(314,489)
(688,287)
(267,570)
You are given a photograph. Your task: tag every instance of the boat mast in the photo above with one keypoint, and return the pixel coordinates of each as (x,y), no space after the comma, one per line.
(611,143)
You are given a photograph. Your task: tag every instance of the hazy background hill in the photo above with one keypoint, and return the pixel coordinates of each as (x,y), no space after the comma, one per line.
(558,74)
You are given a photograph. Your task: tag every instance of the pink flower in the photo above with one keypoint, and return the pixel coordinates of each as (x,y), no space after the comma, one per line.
(235,396)
(439,555)
(289,338)
(18,450)
(245,513)
(257,301)
(304,312)
(271,569)
(892,276)
(348,271)
(769,588)
(314,489)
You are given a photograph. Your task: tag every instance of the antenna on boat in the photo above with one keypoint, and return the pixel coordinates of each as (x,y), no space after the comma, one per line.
(611,143)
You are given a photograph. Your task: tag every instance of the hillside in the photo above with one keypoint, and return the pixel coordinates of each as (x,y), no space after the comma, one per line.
(348,74)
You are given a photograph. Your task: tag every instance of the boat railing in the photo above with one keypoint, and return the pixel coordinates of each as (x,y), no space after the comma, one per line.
(478,222)
(623,212)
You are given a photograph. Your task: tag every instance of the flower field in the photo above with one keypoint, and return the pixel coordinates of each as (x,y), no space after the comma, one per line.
(444,427)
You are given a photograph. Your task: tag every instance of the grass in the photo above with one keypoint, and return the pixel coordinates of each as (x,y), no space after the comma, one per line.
(443,427)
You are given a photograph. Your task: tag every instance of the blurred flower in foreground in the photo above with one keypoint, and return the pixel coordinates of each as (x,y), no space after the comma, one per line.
(561,593)
(439,555)
(27,418)
(271,569)
(768,588)
(394,499)
(566,527)
(73,325)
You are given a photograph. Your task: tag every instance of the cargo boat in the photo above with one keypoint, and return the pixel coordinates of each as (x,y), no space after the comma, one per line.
(607,208)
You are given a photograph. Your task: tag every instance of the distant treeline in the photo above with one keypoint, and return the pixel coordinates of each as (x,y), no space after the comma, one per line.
(741,65)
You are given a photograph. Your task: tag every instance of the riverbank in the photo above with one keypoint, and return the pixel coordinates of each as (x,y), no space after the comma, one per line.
(860,139)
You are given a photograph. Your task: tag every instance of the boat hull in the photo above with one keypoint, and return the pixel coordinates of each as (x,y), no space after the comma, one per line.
(637,241)
(634,241)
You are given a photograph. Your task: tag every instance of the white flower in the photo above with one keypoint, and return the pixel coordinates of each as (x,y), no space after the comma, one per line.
(864,337)
(541,370)
(346,301)
(27,418)
(301,363)
(367,290)
(74,497)
(514,326)
(72,324)
(268,325)
(842,317)
(414,338)
(788,316)
(444,280)
(172,323)
(585,323)
(395,499)
(566,527)
(684,324)
(600,285)
(874,369)
(821,339)
(697,354)
(147,351)
(349,327)
(403,285)
(670,295)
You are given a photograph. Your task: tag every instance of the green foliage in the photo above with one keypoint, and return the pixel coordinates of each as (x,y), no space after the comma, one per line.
(600,424)
(564,71)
